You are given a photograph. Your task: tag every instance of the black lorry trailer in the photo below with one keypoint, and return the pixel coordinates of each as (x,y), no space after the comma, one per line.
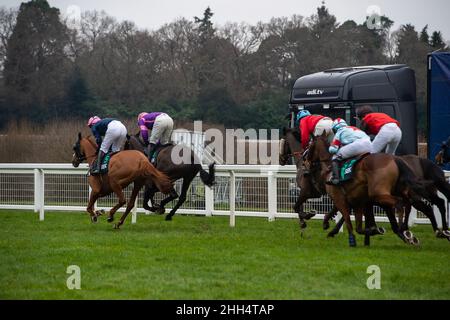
(337,92)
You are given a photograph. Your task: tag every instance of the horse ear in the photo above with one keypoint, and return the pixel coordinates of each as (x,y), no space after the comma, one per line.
(79,135)
(324,134)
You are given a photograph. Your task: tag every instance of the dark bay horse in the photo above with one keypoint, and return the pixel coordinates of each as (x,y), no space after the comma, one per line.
(425,169)
(310,187)
(124,168)
(376,180)
(186,171)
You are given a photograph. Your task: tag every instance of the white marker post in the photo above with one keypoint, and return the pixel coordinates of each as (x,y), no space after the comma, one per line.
(232,199)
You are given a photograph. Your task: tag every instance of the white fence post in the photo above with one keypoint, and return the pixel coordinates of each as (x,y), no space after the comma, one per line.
(39,193)
(232,199)
(413,217)
(134,211)
(209,201)
(272,195)
(37,178)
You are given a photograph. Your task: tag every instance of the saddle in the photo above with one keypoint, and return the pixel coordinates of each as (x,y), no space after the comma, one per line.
(346,167)
(105,162)
(159,148)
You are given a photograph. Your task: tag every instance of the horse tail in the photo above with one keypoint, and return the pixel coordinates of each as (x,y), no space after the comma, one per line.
(162,181)
(409,179)
(208,178)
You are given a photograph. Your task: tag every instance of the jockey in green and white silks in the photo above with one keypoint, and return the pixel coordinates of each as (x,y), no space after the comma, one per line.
(348,142)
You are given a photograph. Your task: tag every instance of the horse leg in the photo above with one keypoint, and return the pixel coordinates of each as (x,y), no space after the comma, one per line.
(117,189)
(336,229)
(298,208)
(428,211)
(172,196)
(389,203)
(136,188)
(328,217)
(371,225)
(181,199)
(90,208)
(149,194)
(343,207)
(440,203)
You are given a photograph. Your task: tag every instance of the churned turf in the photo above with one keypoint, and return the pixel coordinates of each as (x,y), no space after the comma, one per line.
(203,258)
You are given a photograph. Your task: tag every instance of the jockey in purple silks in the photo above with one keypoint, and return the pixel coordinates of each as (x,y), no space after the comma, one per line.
(161,126)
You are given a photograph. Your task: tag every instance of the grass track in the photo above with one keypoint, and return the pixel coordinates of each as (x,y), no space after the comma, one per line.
(203,258)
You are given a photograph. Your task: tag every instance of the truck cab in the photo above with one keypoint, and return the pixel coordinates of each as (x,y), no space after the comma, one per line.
(336,93)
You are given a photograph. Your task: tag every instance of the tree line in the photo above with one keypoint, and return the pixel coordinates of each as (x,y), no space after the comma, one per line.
(240,75)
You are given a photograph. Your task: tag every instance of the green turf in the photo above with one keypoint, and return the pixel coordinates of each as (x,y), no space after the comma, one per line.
(203,258)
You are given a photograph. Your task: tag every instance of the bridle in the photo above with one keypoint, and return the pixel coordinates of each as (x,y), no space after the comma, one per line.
(76,149)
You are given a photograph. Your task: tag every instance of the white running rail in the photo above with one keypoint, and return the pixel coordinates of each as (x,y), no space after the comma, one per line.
(256,191)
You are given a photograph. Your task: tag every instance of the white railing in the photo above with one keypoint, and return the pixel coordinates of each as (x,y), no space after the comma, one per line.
(249,190)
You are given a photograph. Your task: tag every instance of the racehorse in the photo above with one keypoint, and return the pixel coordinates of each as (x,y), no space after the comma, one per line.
(425,169)
(186,171)
(376,178)
(290,146)
(124,168)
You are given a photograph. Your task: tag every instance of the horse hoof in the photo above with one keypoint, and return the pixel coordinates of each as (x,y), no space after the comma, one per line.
(168,218)
(415,241)
(408,235)
(94,219)
(326,225)
(303,225)
(331,235)
(116,226)
(352,241)
(161,211)
(307,216)
(110,219)
(381,231)
(446,233)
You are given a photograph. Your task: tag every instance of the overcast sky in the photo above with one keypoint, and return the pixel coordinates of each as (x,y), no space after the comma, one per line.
(152,14)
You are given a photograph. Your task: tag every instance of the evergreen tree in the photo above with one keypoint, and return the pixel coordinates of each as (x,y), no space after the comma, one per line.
(35,61)
(436,40)
(424,36)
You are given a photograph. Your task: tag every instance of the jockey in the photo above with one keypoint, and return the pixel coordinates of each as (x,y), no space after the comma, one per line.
(348,142)
(313,125)
(386,129)
(114,133)
(161,126)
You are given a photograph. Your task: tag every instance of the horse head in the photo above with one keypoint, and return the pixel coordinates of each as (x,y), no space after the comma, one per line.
(83,149)
(318,149)
(290,145)
(78,156)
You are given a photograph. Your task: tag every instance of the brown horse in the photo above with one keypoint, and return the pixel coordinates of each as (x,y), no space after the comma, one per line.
(377,178)
(185,171)
(290,146)
(426,170)
(124,168)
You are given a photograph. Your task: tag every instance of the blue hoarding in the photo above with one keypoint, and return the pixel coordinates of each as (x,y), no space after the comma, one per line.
(438,102)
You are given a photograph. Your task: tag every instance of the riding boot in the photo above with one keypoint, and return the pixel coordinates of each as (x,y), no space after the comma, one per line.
(96,169)
(151,152)
(334,180)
